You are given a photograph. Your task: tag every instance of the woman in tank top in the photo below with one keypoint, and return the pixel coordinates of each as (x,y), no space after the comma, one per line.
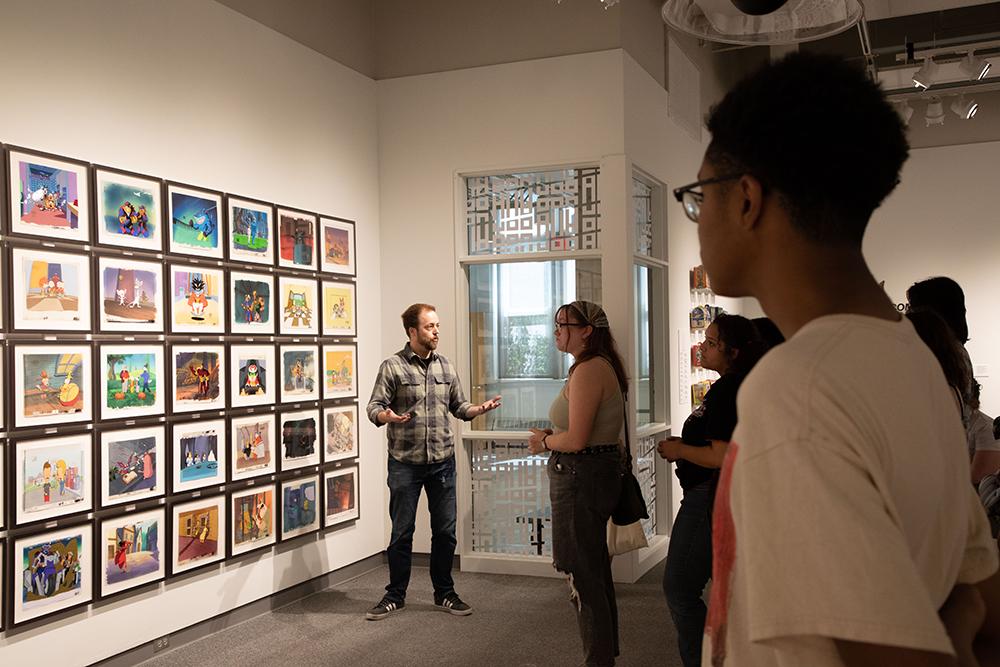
(585,471)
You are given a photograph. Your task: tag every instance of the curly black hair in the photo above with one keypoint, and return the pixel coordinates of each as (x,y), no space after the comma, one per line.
(817,131)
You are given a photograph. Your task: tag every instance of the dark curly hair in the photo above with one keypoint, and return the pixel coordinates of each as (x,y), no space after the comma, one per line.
(742,342)
(600,343)
(938,336)
(945,297)
(817,131)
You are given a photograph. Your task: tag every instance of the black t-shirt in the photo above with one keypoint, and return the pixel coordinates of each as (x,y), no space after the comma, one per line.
(714,419)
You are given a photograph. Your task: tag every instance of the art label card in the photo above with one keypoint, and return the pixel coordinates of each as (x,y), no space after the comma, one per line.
(338,246)
(299,439)
(51,572)
(339,309)
(252,299)
(199,380)
(131,381)
(51,290)
(52,478)
(253,519)
(299,373)
(198,538)
(251,231)
(132,465)
(132,553)
(299,306)
(52,384)
(341,496)
(197,303)
(49,197)
(253,446)
(296,239)
(199,454)
(194,221)
(131,297)
(340,432)
(300,506)
(128,210)
(339,371)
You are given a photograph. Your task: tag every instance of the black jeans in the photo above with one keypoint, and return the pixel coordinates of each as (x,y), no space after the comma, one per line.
(584,489)
(405,481)
(688,569)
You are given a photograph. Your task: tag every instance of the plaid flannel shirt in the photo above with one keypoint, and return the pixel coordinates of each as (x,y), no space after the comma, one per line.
(430,390)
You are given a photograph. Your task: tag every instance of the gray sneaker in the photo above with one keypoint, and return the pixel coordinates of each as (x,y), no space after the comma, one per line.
(383,609)
(453,604)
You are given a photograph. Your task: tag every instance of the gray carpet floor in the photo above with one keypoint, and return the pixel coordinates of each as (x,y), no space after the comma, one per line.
(517,621)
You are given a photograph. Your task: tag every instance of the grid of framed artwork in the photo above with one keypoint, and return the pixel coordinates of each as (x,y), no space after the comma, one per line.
(184,385)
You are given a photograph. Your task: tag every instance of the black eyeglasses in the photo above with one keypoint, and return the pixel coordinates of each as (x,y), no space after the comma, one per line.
(560,325)
(691,199)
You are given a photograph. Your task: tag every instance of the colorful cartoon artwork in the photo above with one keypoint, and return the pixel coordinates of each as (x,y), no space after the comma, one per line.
(129,210)
(296,233)
(297,312)
(338,246)
(133,547)
(49,196)
(53,384)
(51,290)
(251,302)
(199,456)
(299,373)
(298,437)
(197,532)
(54,477)
(253,377)
(341,496)
(197,377)
(132,466)
(130,295)
(131,381)
(53,571)
(338,309)
(253,518)
(341,432)
(196,298)
(252,444)
(299,507)
(250,230)
(338,371)
(194,221)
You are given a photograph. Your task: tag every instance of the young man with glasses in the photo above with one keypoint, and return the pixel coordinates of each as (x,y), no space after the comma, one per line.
(845,530)
(416,392)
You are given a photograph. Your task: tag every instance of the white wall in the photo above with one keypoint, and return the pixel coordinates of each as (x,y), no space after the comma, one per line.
(431,127)
(192,91)
(944,219)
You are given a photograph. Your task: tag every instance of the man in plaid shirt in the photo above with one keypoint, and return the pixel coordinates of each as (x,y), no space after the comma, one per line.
(414,393)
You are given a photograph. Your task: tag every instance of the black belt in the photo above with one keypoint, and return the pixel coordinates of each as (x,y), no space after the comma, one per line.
(596,449)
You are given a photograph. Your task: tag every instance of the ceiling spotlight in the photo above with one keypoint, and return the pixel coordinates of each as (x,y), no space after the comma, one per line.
(975,67)
(905,111)
(964,109)
(924,77)
(935,112)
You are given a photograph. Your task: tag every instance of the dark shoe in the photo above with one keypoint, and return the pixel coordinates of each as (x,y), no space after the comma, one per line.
(383,609)
(453,604)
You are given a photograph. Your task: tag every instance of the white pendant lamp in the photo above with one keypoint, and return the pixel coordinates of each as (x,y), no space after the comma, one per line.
(731,21)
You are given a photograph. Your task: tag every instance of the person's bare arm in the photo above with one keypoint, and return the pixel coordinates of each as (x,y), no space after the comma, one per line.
(861,654)
(585,393)
(984,462)
(707,457)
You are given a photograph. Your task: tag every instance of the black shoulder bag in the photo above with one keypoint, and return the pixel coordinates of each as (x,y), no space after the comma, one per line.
(631,506)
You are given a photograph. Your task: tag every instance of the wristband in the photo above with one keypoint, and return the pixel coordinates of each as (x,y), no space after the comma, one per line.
(544,445)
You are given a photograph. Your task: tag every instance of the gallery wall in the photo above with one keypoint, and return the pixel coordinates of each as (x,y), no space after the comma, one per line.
(943,219)
(194,92)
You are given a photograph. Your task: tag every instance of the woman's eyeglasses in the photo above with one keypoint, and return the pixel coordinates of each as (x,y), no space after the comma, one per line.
(560,325)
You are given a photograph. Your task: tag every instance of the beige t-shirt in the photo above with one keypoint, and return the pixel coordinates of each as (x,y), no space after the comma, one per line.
(844,507)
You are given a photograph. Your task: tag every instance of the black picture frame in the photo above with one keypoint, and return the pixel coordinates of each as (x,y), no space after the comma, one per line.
(245,258)
(104,590)
(251,488)
(103,464)
(15,278)
(104,259)
(178,249)
(17,228)
(220,500)
(328,268)
(132,244)
(73,511)
(300,476)
(292,265)
(341,468)
(222,463)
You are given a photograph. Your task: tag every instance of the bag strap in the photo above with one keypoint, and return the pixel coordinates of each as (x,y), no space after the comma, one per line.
(628,444)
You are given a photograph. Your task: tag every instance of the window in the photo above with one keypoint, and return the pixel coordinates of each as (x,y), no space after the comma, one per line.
(512,308)
(645,360)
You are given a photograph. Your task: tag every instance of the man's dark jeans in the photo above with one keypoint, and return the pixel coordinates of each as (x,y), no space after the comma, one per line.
(405,482)
(689,567)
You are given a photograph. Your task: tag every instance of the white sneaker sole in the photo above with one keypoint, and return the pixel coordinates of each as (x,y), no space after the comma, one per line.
(378,617)
(453,612)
